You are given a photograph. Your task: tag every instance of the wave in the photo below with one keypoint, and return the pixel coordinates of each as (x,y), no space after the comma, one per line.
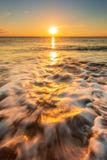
(72,48)
(84,48)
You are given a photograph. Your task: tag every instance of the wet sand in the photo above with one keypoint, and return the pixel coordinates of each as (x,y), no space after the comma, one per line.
(52,108)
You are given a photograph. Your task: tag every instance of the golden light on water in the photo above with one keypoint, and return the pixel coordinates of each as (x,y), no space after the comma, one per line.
(53,43)
(53,30)
(53,55)
(58,114)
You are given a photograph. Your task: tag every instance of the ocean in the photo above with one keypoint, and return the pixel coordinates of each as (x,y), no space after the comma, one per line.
(53,97)
(86,48)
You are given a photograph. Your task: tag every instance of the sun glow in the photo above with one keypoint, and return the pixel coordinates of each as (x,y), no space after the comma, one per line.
(53,30)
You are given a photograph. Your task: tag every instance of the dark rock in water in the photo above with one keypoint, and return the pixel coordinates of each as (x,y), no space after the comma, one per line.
(98,93)
(18,90)
(62,78)
(95,75)
(7,154)
(46,104)
(83,83)
(104,74)
(97,148)
(3,94)
(3,117)
(102,108)
(83,102)
(89,114)
(80,128)
(56,76)
(72,69)
(100,125)
(89,105)
(95,64)
(33,128)
(31,107)
(80,125)
(95,85)
(3,128)
(40,84)
(91,79)
(62,95)
(14,127)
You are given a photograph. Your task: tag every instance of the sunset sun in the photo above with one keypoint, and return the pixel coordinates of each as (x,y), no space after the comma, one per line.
(53,30)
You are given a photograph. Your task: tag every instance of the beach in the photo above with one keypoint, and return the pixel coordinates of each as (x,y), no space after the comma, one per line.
(53,98)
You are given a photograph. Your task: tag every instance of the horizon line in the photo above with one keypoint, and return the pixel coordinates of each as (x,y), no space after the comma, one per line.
(53,36)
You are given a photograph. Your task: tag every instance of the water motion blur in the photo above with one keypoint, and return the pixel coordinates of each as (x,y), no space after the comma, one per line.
(53,97)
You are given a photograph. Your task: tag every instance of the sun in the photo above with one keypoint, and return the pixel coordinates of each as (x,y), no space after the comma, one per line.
(53,30)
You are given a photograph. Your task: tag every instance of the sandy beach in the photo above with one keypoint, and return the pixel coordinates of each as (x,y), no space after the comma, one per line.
(53,106)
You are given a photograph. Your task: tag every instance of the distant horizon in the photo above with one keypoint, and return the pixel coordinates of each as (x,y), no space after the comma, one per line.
(53,36)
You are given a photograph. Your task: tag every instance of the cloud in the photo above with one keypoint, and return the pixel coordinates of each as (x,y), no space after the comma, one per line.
(27,11)
(2,31)
(6,15)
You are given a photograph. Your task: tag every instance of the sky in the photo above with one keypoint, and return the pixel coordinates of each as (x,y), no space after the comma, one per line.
(72,17)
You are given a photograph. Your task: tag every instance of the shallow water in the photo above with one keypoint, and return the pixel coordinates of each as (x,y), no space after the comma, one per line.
(53,98)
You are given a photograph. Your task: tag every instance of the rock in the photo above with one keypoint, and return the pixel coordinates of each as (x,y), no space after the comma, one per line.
(83,102)
(100,125)
(89,114)
(3,94)
(95,75)
(95,64)
(3,117)
(39,84)
(7,153)
(62,78)
(95,85)
(83,83)
(91,79)
(102,109)
(104,73)
(80,127)
(97,148)
(89,105)
(3,128)
(62,95)
(18,90)
(98,93)
(33,128)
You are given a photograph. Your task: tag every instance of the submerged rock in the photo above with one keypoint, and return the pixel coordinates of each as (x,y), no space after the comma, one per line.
(83,102)
(3,128)
(100,125)
(62,78)
(7,153)
(18,90)
(97,148)
(95,85)
(33,128)
(80,128)
(3,94)
(98,93)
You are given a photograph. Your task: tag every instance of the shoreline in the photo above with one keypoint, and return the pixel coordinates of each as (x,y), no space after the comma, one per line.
(54,115)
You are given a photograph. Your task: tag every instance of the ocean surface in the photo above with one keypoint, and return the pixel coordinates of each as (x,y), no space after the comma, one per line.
(53,98)
(92,49)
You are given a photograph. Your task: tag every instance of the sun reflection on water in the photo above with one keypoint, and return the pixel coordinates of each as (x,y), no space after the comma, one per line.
(53,43)
(53,54)
(53,57)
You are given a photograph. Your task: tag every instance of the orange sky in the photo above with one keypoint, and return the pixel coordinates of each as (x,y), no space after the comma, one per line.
(33,18)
